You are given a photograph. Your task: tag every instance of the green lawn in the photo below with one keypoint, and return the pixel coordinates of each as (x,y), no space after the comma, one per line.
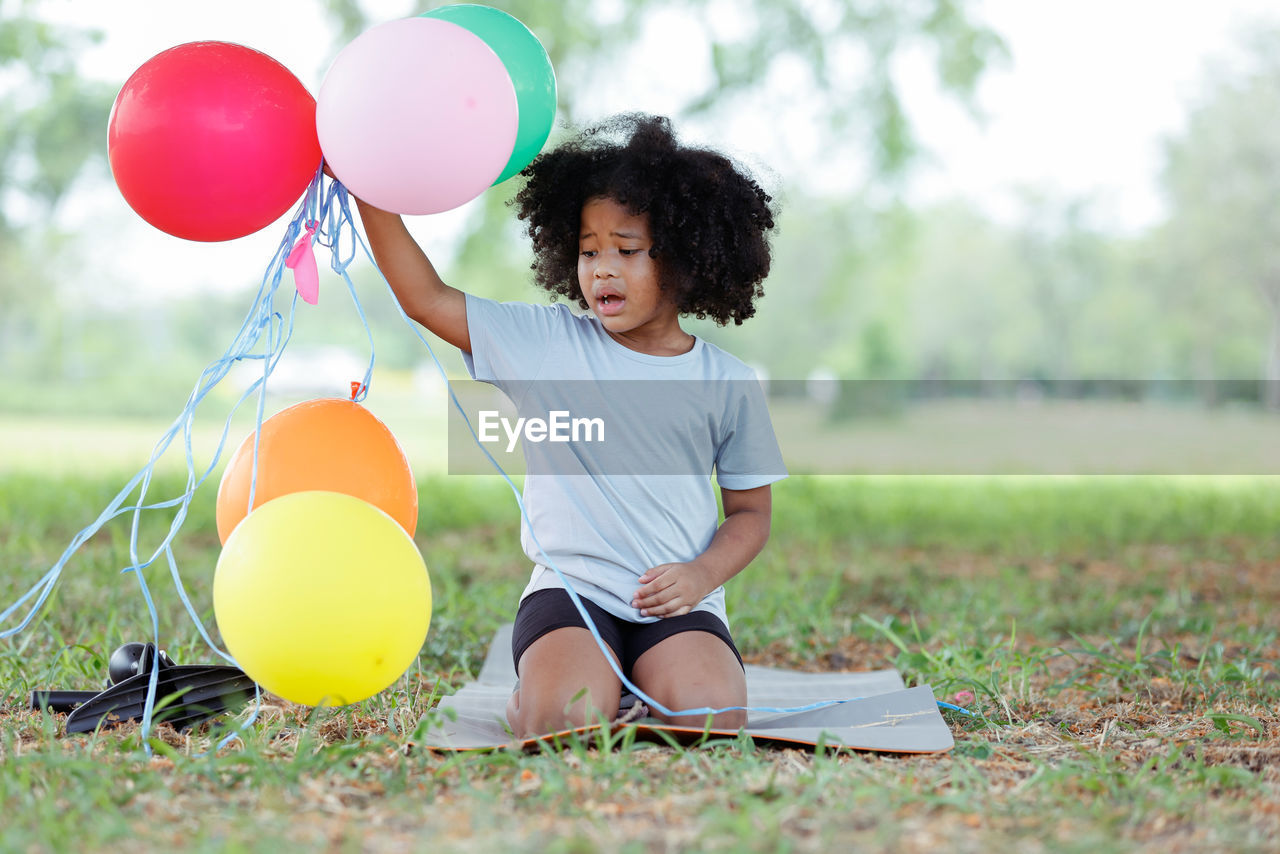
(1118,637)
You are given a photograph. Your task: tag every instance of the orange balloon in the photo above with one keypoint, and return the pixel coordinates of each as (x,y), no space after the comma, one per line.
(329,444)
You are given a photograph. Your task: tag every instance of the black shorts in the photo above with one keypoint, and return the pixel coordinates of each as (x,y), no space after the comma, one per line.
(546,610)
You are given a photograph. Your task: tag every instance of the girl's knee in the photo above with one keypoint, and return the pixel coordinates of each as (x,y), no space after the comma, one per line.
(551,712)
(710,699)
(695,670)
(564,684)
(735,720)
(731,719)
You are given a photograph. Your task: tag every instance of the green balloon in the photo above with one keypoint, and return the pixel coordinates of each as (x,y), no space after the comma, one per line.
(529,66)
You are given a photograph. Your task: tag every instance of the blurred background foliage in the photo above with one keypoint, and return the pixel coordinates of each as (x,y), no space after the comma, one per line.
(865,286)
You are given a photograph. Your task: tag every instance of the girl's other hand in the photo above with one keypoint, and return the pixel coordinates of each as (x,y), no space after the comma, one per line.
(671,589)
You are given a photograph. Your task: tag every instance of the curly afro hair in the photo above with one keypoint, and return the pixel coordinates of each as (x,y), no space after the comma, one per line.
(708,217)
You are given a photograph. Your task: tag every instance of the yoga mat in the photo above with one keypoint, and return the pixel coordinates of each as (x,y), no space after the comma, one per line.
(879,714)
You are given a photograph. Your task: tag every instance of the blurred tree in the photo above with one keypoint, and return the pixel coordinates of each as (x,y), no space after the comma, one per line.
(53,120)
(1063,258)
(847,47)
(972,313)
(845,50)
(52,124)
(51,127)
(815,293)
(1124,330)
(1222,240)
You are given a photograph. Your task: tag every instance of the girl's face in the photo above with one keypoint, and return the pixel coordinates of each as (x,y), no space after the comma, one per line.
(619,280)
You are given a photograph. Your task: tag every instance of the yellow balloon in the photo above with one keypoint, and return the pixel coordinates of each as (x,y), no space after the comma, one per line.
(322,598)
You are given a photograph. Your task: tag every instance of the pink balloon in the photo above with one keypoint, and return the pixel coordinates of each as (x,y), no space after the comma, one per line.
(417,116)
(302,261)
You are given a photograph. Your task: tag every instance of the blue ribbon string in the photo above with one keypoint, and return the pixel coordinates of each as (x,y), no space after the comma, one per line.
(262,337)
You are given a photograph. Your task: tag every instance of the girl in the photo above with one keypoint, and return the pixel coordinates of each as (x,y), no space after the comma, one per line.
(638,230)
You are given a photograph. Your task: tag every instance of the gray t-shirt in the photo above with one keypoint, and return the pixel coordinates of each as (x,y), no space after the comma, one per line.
(608,504)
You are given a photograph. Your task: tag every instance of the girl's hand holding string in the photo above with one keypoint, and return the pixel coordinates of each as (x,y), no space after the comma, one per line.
(672,589)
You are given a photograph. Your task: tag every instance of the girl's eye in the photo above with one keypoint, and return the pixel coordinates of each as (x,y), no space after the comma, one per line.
(588,253)
(628,251)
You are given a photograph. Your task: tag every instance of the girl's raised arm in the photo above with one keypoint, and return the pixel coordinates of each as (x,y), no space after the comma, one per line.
(422,293)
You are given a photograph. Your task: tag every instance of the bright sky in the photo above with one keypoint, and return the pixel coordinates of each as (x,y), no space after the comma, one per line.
(1092,88)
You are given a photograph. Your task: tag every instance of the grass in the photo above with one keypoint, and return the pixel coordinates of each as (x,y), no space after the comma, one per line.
(1117,637)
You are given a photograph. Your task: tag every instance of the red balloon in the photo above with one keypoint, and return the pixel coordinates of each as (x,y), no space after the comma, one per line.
(212,141)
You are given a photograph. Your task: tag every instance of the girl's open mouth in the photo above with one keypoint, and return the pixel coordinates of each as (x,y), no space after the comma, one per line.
(610,304)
